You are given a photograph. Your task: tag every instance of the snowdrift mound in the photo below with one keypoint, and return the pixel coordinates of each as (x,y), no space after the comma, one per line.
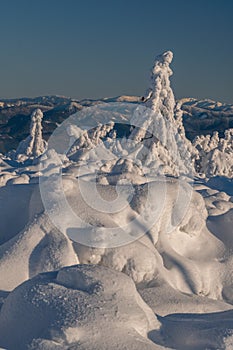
(39,247)
(171,251)
(78,307)
(89,306)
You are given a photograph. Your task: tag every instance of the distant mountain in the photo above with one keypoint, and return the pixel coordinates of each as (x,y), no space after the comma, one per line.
(200,116)
(206,116)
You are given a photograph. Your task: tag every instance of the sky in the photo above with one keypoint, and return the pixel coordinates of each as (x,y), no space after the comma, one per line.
(102,48)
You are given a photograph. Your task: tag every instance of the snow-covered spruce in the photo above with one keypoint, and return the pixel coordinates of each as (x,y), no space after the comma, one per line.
(166,149)
(215,154)
(159,96)
(82,141)
(34,145)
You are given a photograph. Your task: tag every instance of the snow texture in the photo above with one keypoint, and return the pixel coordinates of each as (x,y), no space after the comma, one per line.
(78,307)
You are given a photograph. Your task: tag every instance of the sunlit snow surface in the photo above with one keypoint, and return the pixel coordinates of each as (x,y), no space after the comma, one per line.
(117,233)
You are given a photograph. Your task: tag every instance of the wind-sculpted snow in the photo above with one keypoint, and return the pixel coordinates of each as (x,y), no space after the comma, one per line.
(118,203)
(78,307)
(171,251)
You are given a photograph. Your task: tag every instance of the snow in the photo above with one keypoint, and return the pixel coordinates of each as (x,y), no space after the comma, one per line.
(72,307)
(118,237)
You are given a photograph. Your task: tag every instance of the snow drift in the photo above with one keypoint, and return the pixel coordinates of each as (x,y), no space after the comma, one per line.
(78,307)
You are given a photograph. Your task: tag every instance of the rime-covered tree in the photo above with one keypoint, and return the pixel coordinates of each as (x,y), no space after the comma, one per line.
(160,126)
(34,145)
(160,97)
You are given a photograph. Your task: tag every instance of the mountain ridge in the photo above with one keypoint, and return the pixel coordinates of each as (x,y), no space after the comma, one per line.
(199,116)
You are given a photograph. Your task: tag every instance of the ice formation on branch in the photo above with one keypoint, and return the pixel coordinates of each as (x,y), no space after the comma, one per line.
(34,145)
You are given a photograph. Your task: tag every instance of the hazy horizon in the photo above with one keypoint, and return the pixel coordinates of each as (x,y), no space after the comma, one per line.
(100,49)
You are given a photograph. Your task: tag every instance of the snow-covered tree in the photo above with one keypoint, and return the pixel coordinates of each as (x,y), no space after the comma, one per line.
(160,97)
(215,154)
(34,145)
(160,128)
(82,141)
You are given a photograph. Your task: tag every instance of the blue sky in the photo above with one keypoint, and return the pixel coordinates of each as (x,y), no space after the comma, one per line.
(98,48)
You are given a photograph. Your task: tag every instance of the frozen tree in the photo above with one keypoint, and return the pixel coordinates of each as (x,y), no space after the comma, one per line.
(82,141)
(160,97)
(178,115)
(160,126)
(34,145)
(215,154)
